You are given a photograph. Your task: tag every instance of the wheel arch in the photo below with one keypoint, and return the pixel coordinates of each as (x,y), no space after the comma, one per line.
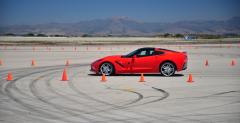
(114,68)
(165,62)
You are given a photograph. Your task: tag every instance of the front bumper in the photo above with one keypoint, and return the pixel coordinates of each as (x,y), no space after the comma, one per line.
(93,68)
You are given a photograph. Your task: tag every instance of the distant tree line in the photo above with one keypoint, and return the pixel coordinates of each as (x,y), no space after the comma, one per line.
(200,36)
(162,35)
(34,35)
(169,35)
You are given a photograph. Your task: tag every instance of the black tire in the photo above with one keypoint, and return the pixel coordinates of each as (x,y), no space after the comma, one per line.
(106,68)
(167,69)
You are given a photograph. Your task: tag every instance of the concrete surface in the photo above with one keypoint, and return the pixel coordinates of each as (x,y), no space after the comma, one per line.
(19,40)
(37,94)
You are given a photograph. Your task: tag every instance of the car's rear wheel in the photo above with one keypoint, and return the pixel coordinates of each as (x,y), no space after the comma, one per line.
(107,69)
(167,69)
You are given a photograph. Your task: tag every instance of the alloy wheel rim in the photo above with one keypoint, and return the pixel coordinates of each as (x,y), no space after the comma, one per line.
(167,69)
(106,68)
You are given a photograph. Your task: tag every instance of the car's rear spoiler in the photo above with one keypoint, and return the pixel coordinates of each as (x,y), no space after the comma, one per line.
(184,52)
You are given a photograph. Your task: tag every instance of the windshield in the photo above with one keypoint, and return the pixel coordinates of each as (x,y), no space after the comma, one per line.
(131,53)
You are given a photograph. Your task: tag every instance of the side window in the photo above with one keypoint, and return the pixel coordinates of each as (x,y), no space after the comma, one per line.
(145,52)
(158,52)
(151,52)
(142,53)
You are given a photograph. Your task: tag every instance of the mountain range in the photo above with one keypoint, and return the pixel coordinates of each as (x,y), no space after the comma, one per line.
(124,26)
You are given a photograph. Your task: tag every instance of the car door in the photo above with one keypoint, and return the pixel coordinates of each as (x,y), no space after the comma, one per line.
(125,64)
(145,61)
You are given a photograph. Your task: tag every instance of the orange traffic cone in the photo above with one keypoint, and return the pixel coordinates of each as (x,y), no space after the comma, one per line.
(67,63)
(190,79)
(142,78)
(233,63)
(103,78)
(1,62)
(206,63)
(9,77)
(33,62)
(64,75)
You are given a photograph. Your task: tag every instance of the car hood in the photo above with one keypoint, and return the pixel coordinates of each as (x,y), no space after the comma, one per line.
(114,56)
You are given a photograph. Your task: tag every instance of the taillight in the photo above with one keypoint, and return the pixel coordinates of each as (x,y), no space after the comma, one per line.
(185,56)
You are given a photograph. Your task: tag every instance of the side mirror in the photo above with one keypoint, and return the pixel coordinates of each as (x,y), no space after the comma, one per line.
(135,56)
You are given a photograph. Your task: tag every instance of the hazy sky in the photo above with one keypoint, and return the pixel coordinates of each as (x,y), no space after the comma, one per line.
(67,11)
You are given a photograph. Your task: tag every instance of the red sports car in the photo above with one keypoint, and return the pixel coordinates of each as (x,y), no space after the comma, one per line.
(143,60)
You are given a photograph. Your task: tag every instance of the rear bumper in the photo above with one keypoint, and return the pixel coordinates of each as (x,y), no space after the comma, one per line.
(184,66)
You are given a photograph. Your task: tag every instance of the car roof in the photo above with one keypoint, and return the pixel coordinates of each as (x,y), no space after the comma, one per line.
(151,48)
(147,48)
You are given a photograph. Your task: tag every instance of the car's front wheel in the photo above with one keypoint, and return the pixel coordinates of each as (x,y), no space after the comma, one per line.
(167,69)
(107,69)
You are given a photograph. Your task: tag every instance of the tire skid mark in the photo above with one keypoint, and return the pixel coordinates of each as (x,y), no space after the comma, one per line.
(4,81)
(150,115)
(29,74)
(67,110)
(20,70)
(199,114)
(18,73)
(109,109)
(99,110)
(24,76)
(138,99)
(210,107)
(30,107)
(19,112)
(140,96)
(227,92)
(73,109)
(218,75)
(146,115)
(219,94)
(176,116)
(126,108)
(79,110)
(71,85)
(166,94)
(204,108)
(2,84)
(113,106)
